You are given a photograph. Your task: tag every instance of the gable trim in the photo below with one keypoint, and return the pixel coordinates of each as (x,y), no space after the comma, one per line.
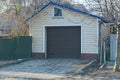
(64,7)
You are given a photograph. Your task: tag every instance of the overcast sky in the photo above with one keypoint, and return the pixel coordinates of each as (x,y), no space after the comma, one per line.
(81,1)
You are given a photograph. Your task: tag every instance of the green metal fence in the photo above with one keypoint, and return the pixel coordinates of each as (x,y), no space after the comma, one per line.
(16,48)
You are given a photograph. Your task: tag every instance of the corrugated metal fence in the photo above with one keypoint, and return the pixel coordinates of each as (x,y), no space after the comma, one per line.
(16,48)
(112,46)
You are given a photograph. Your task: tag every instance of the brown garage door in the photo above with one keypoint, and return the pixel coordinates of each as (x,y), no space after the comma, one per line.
(63,42)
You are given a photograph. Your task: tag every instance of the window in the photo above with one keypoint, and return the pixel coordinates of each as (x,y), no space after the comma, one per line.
(57,12)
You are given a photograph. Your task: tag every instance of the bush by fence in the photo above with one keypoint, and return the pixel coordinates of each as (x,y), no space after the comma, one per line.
(16,48)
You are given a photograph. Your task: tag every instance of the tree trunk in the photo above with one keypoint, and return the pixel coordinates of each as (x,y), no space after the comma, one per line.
(117,58)
(116,65)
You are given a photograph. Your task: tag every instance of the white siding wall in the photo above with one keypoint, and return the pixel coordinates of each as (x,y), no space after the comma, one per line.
(89,29)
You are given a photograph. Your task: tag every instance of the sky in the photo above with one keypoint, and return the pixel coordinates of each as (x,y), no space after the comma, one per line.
(84,1)
(81,1)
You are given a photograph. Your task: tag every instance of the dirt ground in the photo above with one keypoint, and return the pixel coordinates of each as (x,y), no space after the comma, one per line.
(95,74)
(92,74)
(104,75)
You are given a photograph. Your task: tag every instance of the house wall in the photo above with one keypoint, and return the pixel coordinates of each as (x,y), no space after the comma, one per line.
(89,30)
(104,31)
(104,42)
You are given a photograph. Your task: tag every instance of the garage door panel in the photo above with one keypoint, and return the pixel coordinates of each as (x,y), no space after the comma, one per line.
(63,37)
(63,42)
(64,46)
(63,49)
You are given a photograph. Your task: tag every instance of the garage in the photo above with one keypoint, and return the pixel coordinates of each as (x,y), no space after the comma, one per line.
(63,42)
(59,31)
